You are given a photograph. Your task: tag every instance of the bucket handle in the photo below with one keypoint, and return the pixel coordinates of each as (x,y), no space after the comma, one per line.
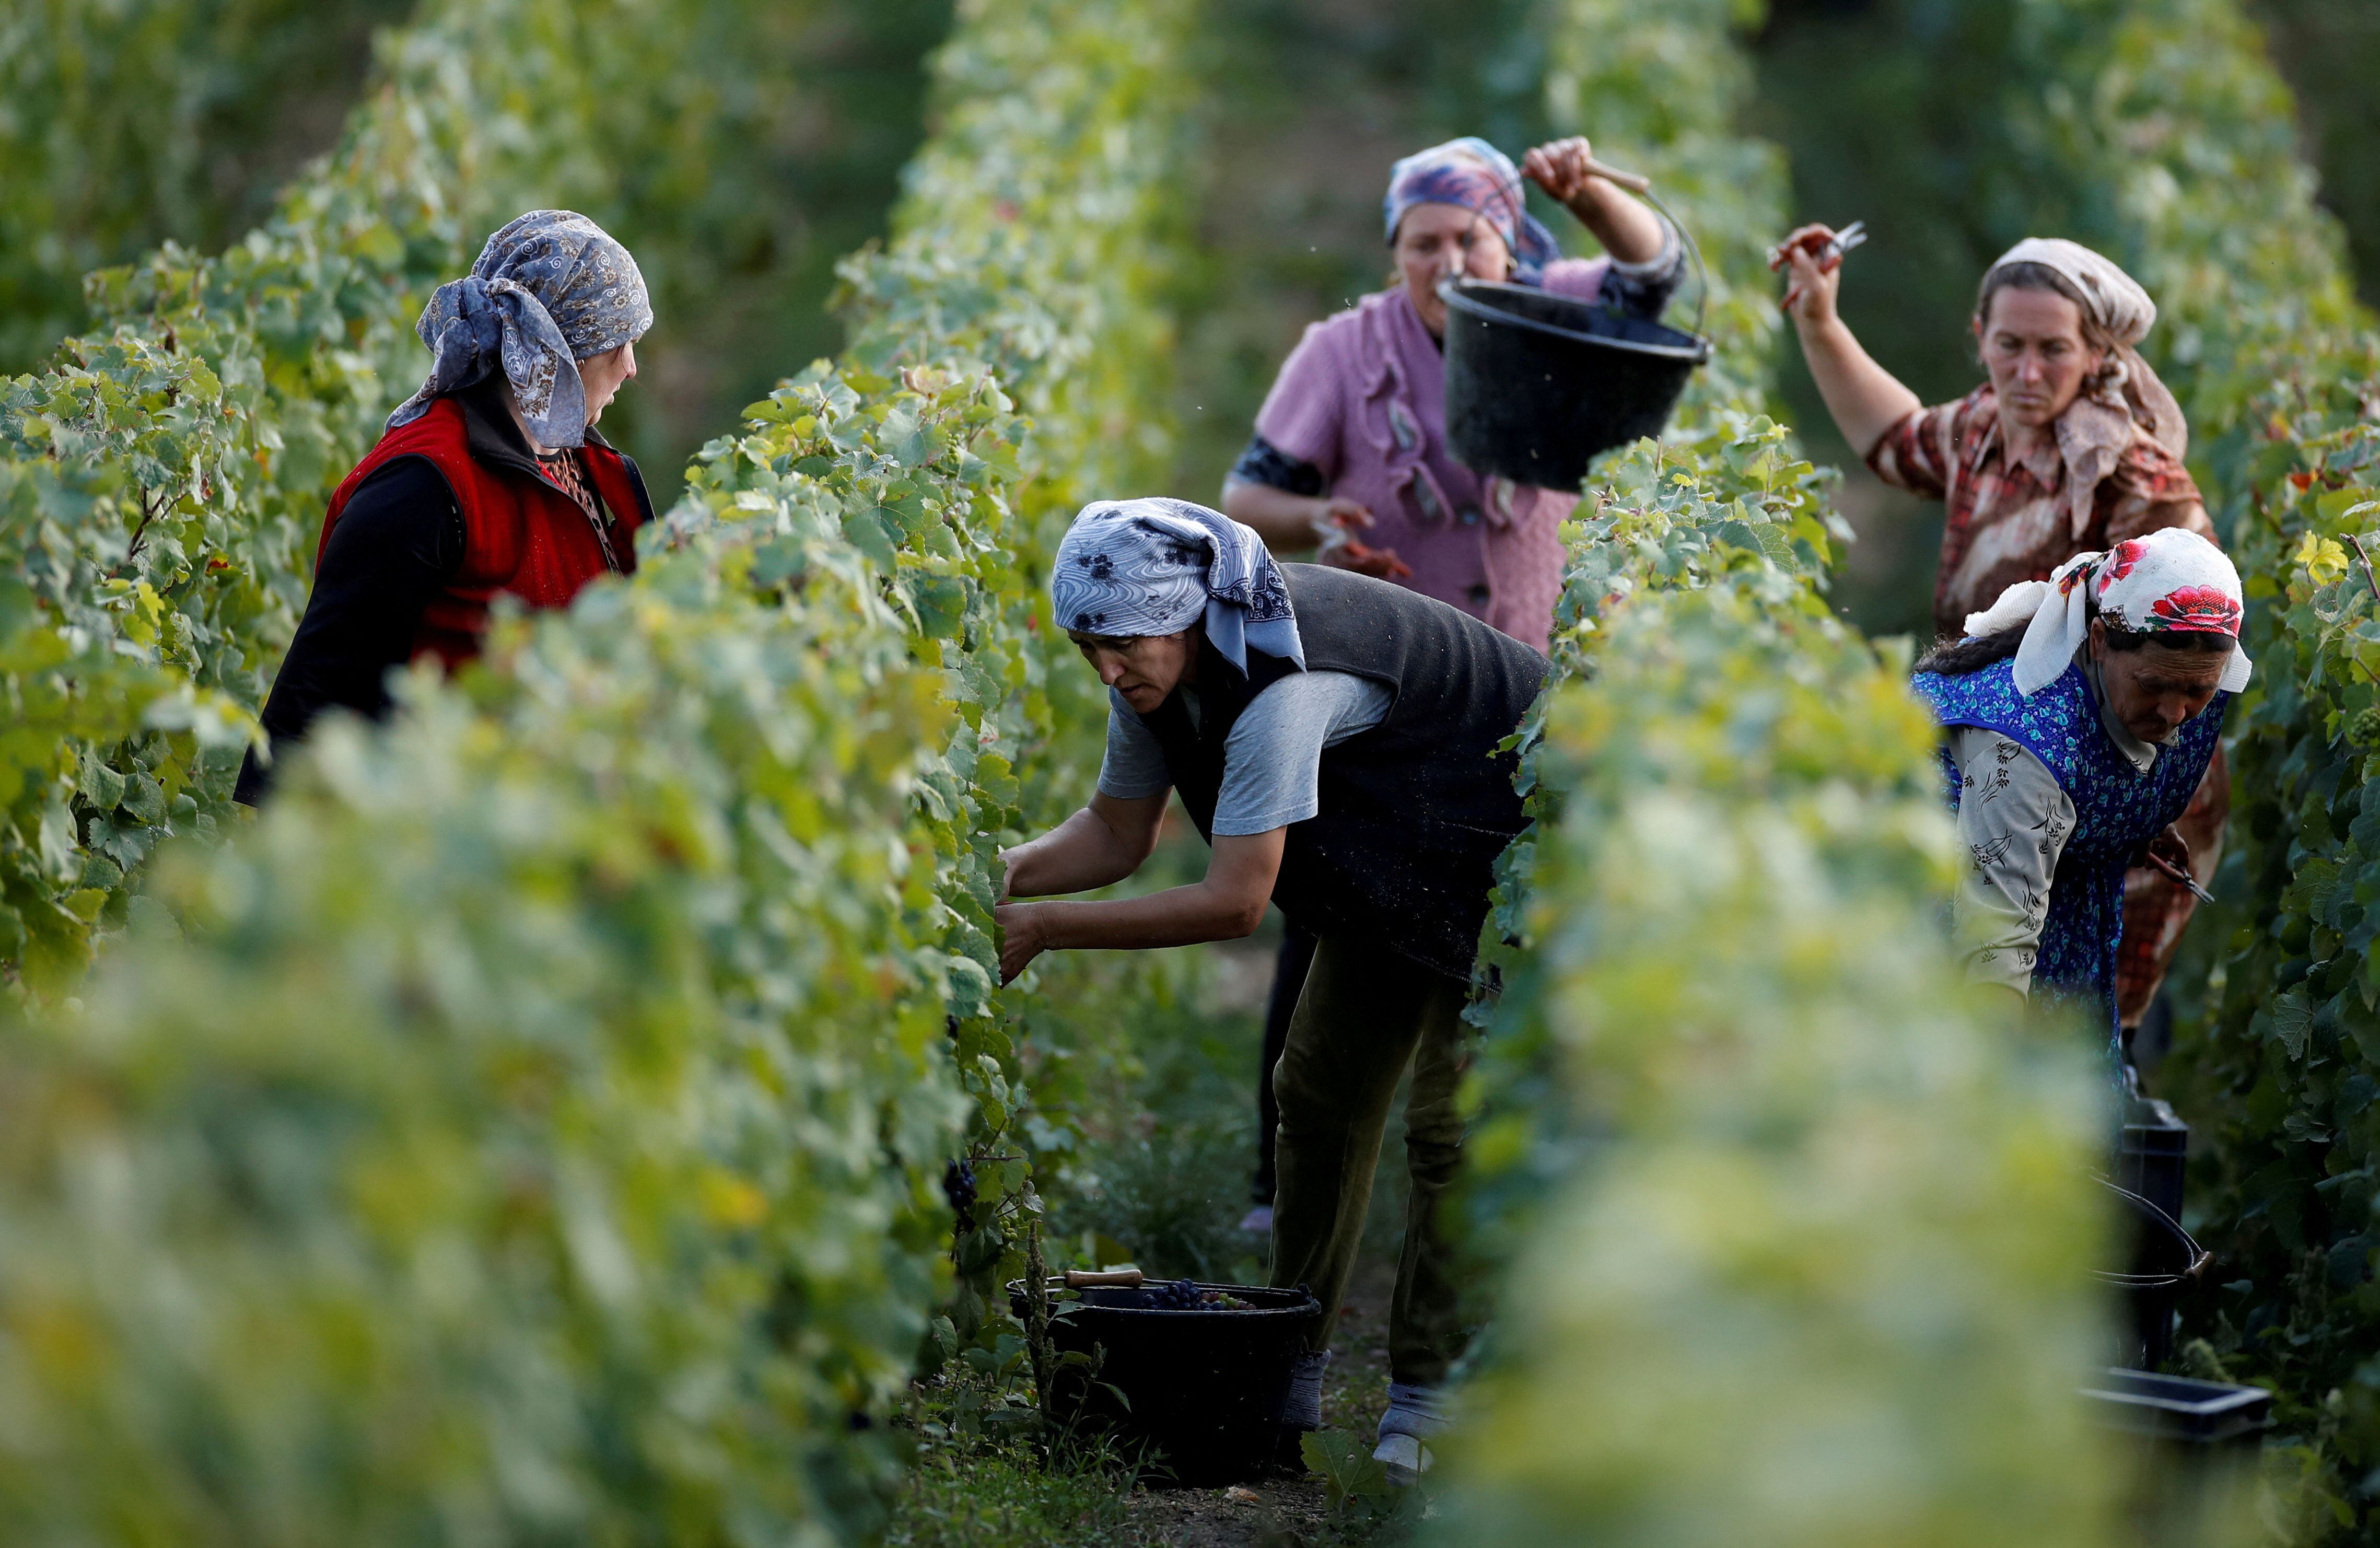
(2199,1257)
(1693,251)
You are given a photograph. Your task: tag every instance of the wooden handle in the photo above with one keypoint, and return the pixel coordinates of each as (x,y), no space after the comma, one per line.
(1122,1279)
(1632,181)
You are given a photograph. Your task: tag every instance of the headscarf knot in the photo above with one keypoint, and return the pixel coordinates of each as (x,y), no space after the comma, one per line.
(549,290)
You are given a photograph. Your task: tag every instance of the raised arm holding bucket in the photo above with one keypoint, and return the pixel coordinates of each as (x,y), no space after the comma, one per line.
(1353,438)
(2072,446)
(1354,432)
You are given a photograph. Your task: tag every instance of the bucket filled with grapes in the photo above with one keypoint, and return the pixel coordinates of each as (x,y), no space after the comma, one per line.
(1189,1374)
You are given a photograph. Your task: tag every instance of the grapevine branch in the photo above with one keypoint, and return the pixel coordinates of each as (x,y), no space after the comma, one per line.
(1036,1319)
(2357,543)
(149,510)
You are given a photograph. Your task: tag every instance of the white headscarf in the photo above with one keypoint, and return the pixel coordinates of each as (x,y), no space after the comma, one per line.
(2172,581)
(2097,429)
(1129,569)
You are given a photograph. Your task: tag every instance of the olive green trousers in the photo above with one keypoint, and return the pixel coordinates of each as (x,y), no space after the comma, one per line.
(1367,1014)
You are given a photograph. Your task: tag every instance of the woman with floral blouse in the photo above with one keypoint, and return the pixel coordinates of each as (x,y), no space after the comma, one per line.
(2070,445)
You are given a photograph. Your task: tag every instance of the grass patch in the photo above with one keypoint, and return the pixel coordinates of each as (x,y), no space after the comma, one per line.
(997,1494)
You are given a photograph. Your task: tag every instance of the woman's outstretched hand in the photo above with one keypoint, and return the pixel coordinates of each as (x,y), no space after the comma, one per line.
(1336,524)
(1810,295)
(1020,938)
(1628,231)
(1865,400)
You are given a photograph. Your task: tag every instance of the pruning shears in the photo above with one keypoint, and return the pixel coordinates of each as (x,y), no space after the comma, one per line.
(1827,250)
(2179,877)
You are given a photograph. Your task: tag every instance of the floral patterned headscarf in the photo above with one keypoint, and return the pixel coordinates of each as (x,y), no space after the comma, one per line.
(548,291)
(1474,175)
(2172,581)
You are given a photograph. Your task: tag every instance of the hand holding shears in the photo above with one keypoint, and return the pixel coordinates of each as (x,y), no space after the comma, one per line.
(1820,248)
(2169,855)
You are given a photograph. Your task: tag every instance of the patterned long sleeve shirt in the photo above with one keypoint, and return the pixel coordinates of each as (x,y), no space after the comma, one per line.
(2005,520)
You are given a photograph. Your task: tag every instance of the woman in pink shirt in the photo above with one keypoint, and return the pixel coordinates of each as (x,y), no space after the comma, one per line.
(1351,443)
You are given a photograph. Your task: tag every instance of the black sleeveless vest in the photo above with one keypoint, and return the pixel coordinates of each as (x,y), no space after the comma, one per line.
(1414,810)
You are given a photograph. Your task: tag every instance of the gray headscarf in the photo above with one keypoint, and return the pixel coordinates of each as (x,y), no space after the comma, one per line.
(549,290)
(1133,567)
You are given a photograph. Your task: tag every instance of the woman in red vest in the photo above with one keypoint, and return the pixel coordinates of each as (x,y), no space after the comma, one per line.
(490,479)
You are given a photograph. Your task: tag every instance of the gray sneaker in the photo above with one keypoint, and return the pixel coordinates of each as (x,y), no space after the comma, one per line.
(1416,1413)
(1403,1458)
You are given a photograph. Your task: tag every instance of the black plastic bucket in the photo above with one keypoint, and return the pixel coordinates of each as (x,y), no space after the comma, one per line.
(1201,1389)
(1536,383)
(2163,1258)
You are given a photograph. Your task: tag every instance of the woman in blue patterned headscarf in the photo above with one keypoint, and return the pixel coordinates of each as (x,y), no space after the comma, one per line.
(551,297)
(492,478)
(1336,739)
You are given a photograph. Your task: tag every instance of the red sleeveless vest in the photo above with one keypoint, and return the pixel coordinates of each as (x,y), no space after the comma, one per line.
(521,534)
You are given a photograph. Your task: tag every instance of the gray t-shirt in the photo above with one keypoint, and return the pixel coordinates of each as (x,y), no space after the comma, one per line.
(1272,760)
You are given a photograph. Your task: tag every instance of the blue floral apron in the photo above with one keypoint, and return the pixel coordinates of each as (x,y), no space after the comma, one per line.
(2117,809)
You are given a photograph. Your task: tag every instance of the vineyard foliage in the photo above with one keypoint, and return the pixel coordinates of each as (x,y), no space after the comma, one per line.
(532,1127)
(2180,138)
(1768,1175)
(564,1077)
(2175,141)
(1039,235)
(1757,1168)
(161,483)
(122,123)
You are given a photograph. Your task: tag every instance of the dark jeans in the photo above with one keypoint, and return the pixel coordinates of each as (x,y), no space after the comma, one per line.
(1365,1015)
(1288,982)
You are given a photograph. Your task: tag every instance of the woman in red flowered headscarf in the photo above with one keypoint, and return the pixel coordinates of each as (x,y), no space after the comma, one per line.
(2072,446)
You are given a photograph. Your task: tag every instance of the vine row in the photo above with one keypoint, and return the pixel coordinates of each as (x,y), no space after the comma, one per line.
(539,1114)
(162,480)
(1746,1150)
(2182,139)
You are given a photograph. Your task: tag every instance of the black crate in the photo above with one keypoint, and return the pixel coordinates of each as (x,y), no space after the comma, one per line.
(2178,1407)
